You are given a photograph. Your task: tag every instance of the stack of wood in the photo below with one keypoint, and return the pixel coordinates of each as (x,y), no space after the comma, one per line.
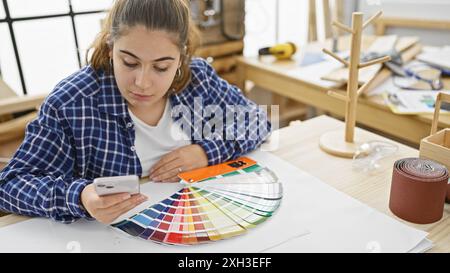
(223,57)
(12,126)
(222,35)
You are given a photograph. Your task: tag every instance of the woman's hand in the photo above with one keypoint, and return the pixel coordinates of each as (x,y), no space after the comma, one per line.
(107,208)
(180,160)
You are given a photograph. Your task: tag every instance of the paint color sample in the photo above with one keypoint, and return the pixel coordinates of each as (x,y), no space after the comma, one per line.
(216,208)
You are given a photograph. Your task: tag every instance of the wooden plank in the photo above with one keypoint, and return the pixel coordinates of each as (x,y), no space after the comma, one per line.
(382,23)
(339,9)
(292,112)
(12,219)
(211,36)
(312,21)
(231,78)
(17,104)
(15,128)
(327,18)
(7,151)
(6,117)
(6,91)
(225,64)
(219,50)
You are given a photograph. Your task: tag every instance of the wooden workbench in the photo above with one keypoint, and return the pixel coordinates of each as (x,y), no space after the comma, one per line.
(272,75)
(299,145)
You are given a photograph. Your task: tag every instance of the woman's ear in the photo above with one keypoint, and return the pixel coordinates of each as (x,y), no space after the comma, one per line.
(181,61)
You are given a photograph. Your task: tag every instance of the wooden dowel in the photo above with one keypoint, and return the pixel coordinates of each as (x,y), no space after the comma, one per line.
(441,97)
(342,27)
(339,59)
(437,108)
(337,95)
(368,22)
(366,85)
(376,61)
(352,86)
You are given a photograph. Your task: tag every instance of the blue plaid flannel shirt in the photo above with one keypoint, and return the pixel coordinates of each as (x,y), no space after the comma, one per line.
(84,131)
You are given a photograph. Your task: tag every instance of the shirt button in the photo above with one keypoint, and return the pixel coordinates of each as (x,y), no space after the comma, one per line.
(133,148)
(129,125)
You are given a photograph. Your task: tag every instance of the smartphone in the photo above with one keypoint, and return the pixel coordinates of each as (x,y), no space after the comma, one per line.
(117,184)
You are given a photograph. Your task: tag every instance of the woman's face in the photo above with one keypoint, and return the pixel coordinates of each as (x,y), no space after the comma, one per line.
(145,64)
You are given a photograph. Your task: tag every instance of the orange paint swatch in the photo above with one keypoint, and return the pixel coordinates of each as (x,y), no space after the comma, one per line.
(220,169)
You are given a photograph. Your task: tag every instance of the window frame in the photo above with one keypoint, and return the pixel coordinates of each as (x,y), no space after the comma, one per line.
(10,21)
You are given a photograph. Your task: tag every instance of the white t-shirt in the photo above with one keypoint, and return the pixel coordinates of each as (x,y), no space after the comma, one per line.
(152,142)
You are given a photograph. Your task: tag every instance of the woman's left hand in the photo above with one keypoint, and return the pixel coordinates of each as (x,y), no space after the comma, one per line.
(180,160)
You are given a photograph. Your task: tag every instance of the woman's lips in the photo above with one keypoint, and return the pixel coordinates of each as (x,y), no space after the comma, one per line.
(140,96)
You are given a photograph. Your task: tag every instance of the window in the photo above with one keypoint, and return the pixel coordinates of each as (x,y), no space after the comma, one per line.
(88,5)
(52,32)
(268,22)
(260,25)
(2,11)
(8,66)
(46,56)
(88,26)
(28,8)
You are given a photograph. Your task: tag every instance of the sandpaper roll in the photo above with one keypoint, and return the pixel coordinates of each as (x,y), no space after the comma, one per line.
(418,190)
(448,192)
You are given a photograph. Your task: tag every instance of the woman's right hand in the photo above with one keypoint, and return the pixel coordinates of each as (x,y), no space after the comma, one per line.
(106,209)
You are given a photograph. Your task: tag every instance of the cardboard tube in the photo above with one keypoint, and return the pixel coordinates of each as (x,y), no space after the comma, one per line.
(418,190)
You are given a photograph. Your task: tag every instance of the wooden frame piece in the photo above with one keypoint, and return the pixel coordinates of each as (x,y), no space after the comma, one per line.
(340,143)
(382,23)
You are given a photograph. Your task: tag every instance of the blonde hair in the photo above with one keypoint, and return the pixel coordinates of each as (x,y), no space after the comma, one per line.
(172,16)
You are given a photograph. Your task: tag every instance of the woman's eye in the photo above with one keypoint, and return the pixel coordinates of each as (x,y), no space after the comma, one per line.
(159,69)
(131,65)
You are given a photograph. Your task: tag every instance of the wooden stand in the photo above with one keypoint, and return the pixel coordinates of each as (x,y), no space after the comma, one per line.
(341,143)
(437,145)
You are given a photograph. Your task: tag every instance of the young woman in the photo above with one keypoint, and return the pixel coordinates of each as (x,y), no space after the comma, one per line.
(116,117)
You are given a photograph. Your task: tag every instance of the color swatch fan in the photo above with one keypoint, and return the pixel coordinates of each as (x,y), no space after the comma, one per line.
(209,210)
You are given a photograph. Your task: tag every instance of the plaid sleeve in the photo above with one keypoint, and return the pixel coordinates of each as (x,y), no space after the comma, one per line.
(243,131)
(38,180)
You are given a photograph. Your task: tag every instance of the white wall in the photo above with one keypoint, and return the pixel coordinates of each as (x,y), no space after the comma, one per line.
(261,23)
(420,9)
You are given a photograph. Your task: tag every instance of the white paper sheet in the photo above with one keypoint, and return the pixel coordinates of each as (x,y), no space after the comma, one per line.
(440,58)
(423,246)
(313,217)
(338,223)
(413,102)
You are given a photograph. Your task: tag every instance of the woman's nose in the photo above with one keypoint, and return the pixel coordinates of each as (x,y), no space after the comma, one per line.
(143,79)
